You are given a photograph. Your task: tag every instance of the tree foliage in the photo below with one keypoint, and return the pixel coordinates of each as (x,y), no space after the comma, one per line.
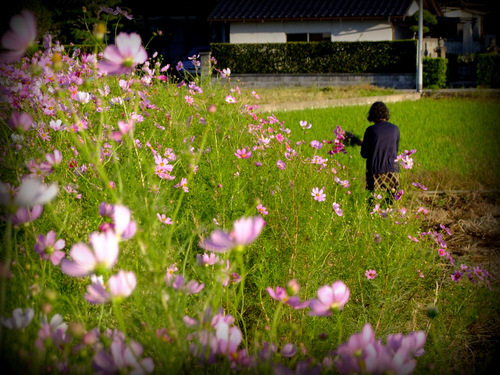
(428,20)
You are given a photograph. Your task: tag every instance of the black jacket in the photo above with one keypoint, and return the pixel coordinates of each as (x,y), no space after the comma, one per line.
(380,147)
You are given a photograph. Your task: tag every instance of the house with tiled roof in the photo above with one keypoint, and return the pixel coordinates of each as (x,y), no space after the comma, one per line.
(281,21)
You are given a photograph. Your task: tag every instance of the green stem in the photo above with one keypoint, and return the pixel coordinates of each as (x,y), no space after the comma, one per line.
(117,309)
(339,328)
(3,280)
(274,325)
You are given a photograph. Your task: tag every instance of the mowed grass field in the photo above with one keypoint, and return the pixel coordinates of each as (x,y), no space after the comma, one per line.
(457,138)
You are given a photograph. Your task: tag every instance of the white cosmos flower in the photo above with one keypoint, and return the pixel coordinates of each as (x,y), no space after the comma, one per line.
(34,192)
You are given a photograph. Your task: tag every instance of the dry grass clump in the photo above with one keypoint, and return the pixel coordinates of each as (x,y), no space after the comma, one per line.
(474,219)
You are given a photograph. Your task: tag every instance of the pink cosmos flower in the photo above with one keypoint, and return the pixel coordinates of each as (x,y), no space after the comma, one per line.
(182,184)
(371,274)
(281,294)
(344,183)
(121,223)
(54,158)
(228,339)
(281,164)
(126,127)
(101,258)
(189,99)
(423,210)
(19,37)
(337,209)
(456,276)
(419,185)
(305,125)
(316,144)
(20,121)
(413,238)
(318,194)
(399,195)
(446,229)
(122,357)
(191,287)
(330,298)
(289,350)
(364,353)
(243,154)
(207,259)
(26,215)
(122,284)
(442,252)
(123,57)
(170,274)
(96,291)
(245,231)
(262,209)
(375,209)
(49,248)
(164,219)
(52,333)
(230,99)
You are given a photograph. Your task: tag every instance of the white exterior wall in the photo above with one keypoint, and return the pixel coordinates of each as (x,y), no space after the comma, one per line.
(340,30)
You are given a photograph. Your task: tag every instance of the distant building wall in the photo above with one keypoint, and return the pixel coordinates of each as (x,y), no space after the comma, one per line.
(338,30)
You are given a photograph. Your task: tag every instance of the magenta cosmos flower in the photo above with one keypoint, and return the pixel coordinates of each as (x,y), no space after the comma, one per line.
(124,55)
(330,298)
(243,153)
(245,231)
(49,248)
(371,274)
(100,259)
(19,37)
(20,120)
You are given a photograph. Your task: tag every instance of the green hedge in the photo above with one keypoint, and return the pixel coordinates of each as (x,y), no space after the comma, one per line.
(488,70)
(317,57)
(434,72)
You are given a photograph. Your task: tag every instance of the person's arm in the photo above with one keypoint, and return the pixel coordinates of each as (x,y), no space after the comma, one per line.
(365,144)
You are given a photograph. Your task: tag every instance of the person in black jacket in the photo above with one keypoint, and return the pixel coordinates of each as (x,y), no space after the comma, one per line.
(380,149)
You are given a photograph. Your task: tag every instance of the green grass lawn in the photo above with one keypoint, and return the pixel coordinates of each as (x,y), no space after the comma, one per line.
(457,139)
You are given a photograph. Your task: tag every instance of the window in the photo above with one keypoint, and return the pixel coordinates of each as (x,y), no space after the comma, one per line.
(296,37)
(319,37)
(308,37)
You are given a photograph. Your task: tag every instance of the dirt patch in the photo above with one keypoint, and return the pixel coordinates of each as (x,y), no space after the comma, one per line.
(474,220)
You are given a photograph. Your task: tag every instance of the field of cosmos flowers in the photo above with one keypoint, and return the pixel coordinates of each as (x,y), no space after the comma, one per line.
(153,224)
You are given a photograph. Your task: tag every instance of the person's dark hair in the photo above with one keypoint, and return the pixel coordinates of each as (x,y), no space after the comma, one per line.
(378,111)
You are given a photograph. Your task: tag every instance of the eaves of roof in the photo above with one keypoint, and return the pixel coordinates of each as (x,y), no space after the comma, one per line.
(289,10)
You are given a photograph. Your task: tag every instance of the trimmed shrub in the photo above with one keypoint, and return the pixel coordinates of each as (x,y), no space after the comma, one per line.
(434,72)
(318,57)
(488,70)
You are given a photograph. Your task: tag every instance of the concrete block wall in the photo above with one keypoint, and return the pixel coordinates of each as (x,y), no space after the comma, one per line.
(390,80)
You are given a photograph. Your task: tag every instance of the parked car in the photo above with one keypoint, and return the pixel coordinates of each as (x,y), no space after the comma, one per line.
(192,58)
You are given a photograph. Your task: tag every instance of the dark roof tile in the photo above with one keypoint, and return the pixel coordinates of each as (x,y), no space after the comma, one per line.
(226,10)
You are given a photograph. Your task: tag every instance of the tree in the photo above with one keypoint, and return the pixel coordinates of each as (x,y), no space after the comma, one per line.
(428,20)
